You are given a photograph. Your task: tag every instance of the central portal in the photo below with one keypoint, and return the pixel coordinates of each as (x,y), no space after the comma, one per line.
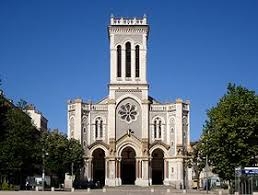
(128,167)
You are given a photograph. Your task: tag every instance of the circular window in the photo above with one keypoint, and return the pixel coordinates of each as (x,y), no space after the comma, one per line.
(128,112)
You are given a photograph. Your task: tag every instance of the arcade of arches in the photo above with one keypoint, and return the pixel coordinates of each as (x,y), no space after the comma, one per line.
(128,167)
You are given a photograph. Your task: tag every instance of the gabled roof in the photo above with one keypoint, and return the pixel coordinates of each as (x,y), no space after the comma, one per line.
(103,101)
(153,101)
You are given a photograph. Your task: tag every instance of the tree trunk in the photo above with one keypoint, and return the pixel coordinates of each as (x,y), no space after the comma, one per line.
(198,180)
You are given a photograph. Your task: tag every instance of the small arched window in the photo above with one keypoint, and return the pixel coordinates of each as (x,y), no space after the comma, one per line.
(157,128)
(185,129)
(101,129)
(128,59)
(159,136)
(119,61)
(98,128)
(137,61)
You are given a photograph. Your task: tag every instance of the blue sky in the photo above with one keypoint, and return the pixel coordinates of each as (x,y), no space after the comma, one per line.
(55,50)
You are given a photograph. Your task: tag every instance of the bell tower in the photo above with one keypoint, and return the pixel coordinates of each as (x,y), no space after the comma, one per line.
(128,104)
(128,50)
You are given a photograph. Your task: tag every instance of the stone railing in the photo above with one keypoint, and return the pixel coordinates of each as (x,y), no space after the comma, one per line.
(128,21)
(99,107)
(157,108)
(171,107)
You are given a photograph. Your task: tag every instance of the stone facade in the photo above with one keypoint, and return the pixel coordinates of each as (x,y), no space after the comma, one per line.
(129,137)
(37,117)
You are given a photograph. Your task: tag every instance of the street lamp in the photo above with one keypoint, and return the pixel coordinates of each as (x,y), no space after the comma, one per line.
(185,168)
(207,166)
(206,170)
(72,173)
(44,154)
(72,164)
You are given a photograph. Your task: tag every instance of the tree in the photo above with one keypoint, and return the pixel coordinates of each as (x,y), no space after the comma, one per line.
(75,155)
(230,135)
(3,111)
(22,104)
(62,153)
(197,160)
(18,146)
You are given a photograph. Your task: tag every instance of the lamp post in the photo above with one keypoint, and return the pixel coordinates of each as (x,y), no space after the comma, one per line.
(206,167)
(72,164)
(206,164)
(72,173)
(185,167)
(44,154)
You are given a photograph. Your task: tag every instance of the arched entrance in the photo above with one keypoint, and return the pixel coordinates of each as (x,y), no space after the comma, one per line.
(157,165)
(98,163)
(128,166)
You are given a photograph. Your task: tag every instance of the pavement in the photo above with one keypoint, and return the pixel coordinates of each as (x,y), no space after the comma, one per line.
(125,190)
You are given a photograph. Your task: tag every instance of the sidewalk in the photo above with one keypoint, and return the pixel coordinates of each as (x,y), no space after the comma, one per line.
(130,190)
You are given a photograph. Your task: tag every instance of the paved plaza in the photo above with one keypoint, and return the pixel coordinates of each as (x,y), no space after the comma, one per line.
(114,191)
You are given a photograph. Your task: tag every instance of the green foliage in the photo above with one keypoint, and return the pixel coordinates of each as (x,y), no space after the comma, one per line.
(22,104)
(3,110)
(61,154)
(230,134)
(5,186)
(197,160)
(22,147)
(17,143)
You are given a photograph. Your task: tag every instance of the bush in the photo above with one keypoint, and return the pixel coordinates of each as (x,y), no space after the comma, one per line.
(5,186)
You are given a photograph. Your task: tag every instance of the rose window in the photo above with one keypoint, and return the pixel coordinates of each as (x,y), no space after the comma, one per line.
(128,112)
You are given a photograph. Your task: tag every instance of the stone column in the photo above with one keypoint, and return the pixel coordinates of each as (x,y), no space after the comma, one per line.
(118,182)
(166,169)
(142,174)
(123,62)
(141,169)
(178,123)
(137,169)
(91,169)
(150,172)
(180,172)
(86,169)
(133,62)
(113,60)
(145,119)
(119,168)
(166,172)
(143,59)
(111,119)
(145,172)
(106,168)
(111,179)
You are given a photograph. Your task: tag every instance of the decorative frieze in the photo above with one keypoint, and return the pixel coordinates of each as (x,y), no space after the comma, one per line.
(128,21)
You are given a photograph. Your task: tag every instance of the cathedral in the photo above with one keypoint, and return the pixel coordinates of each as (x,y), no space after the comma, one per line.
(130,138)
